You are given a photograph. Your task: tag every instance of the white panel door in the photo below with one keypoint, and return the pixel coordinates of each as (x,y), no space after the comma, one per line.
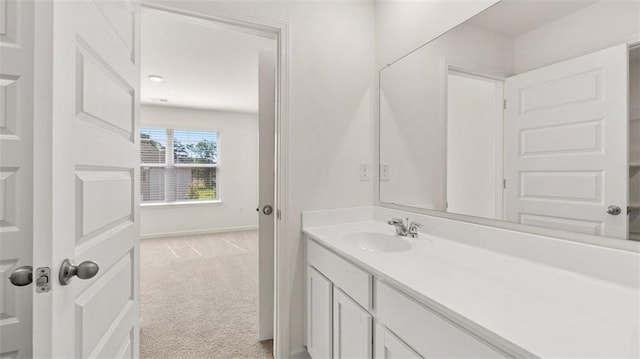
(566,145)
(16,174)
(319,315)
(266,223)
(352,334)
(387,346)
(95,180)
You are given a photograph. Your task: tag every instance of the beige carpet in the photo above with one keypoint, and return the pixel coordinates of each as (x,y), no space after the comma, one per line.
(199,297)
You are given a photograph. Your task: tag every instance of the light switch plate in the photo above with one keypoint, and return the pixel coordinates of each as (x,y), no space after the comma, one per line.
(365,172)
(384,172)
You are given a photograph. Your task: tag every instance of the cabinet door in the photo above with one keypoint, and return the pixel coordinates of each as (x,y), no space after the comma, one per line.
(352,335)
(390,347)
(319,315)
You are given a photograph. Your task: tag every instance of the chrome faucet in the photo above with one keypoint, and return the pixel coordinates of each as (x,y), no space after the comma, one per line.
(405,229)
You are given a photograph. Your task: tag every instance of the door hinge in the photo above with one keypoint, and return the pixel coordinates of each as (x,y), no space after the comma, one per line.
(43,279)
(504,104)
(504,183)
(278,214)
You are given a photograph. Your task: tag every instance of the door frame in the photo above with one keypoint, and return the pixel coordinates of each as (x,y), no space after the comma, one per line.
(633,45)
(43,71)
(498,122)
(448,67)
(279,30)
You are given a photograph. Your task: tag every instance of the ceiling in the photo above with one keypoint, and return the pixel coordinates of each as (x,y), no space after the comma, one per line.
(516,17)
(204,65)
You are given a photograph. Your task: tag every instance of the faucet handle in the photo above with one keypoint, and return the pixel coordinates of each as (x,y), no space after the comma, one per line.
(414,226)
(413,229)
(394,221)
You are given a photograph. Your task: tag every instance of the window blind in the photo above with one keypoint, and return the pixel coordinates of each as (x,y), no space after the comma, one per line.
(178,165)
(195,146)
(153,145)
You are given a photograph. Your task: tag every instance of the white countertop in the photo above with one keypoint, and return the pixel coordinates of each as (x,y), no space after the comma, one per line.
(544,310)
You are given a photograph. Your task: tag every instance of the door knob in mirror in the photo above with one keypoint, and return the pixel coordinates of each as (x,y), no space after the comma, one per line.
(614,210)
(84,270)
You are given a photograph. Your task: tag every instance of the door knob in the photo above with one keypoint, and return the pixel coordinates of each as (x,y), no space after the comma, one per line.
(614,210)
(22,276)
(267,210)
(84,270)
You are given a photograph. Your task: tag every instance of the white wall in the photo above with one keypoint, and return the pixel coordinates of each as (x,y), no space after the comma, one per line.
(331,71)
(238,176)
(604,24)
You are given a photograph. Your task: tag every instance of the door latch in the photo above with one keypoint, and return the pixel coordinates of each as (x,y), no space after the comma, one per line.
(43,279)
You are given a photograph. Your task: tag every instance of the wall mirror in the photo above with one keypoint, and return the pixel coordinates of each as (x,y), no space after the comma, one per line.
(528,112)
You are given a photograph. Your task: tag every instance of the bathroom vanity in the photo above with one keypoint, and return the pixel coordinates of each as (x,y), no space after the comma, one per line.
(474,292)
(517,149)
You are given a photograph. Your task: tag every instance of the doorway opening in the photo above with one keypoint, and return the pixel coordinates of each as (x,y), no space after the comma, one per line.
(474,126)
(207,183)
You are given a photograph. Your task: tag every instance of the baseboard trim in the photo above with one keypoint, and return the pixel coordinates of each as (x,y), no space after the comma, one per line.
(193,233)
(300,355)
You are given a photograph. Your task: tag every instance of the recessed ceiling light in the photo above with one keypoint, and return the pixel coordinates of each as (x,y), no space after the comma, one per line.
(163,100)
(155,78)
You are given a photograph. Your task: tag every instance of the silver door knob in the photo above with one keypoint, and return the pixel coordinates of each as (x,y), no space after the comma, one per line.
(84,270)
(22,276)
(267,210)
(614,210)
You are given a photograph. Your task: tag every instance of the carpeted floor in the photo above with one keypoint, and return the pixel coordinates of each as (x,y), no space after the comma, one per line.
(199,297)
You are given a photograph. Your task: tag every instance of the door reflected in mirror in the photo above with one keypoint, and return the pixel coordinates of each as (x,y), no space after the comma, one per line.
(509,117)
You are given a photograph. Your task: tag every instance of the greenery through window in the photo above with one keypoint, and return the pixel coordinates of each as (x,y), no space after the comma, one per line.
(178,165)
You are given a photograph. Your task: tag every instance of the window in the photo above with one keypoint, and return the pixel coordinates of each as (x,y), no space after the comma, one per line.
(178,165)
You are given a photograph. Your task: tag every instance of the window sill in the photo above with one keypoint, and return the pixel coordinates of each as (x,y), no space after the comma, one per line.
(182,203)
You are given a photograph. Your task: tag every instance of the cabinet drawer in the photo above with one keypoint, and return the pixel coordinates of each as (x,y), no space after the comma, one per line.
(355,282)
(425,331)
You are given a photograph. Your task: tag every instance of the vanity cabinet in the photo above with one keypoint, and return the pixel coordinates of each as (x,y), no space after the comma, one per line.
(338,326)
(340,316)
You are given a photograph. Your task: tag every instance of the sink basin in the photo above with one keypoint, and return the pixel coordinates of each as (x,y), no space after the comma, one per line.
(378,242)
